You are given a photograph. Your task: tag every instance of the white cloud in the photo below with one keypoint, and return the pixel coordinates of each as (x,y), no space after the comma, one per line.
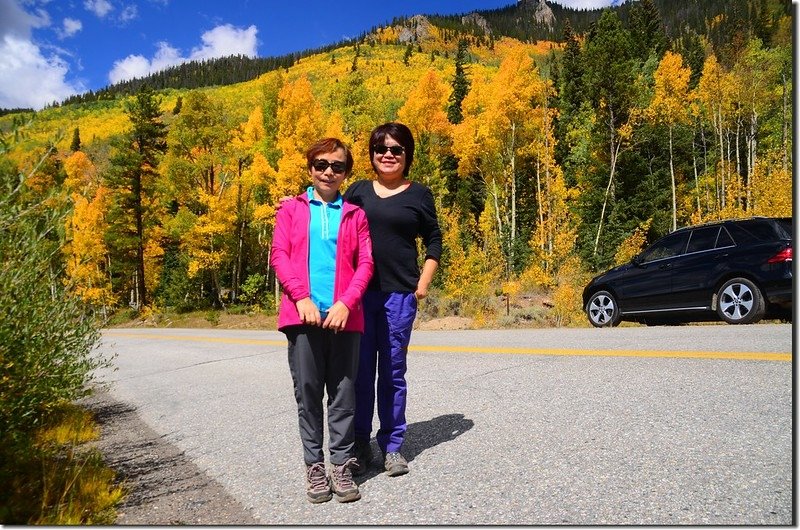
(130,12)
(219,42)
(138,66)
(28,78)
(71,27)
(165,57)
(586,4)
(99,7)
(130,67)
(227,40)
(16,21)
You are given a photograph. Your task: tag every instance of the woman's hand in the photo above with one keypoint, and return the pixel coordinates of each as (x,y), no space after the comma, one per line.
(425,278)
(337,317)
(309,314)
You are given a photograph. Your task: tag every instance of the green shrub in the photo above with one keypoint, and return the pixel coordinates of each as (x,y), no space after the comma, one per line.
(254,289)
(122,316)
(236,309)
(47,338)
(213,317)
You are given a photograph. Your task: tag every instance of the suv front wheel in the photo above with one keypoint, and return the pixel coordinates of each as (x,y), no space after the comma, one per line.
(602,310)
(739,301)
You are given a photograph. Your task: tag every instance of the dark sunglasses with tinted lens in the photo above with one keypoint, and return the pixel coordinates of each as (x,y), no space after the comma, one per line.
(396,150)
(321,165)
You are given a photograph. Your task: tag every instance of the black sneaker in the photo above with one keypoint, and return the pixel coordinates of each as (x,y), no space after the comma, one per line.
(395,464)
(318,489)
(345,489)
(363,453)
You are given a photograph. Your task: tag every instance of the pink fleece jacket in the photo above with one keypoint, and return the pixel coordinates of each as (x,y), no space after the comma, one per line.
(289,258)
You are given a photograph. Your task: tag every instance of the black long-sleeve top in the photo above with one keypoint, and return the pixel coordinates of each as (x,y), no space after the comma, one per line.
(395,222)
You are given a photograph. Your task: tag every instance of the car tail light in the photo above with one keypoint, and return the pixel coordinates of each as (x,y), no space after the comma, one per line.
(783,255)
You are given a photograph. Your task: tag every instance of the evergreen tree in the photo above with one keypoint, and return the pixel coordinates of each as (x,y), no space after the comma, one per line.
(76,140)
(131,181)
(178,105)
(647,29)
(690,46)
(610,68)
(762,22)
(408,54)
(460,85)
(269,97)
(571,71)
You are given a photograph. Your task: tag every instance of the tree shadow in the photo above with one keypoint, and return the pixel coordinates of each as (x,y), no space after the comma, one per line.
(420,436)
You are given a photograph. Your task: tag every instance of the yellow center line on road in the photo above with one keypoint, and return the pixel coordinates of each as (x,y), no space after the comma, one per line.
(677,354)
(749,356)
(189,338)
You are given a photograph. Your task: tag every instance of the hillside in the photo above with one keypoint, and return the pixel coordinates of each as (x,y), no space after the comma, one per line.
(526,20)
(547,160)
(99,121)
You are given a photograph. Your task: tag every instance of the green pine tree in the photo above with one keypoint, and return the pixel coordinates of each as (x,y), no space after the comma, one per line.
(76,140)
(460,84)
(134,167)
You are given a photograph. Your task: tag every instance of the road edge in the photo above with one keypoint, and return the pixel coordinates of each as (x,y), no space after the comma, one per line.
(164,486)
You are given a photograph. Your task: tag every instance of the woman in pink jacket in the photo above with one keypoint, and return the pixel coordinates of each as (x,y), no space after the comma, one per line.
(322,255)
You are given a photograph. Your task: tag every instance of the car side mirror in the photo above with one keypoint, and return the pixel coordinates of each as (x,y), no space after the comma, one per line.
(637,260)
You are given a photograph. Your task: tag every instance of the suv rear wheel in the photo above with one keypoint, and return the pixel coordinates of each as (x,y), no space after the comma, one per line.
(739,301)
(602,310)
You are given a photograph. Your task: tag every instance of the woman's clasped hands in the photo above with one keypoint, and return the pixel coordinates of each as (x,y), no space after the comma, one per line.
(310,314)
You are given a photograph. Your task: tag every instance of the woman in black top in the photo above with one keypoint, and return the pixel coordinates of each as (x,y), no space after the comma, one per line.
(398,211)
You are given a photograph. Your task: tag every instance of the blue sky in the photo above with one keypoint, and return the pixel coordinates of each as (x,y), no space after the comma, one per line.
(51,49)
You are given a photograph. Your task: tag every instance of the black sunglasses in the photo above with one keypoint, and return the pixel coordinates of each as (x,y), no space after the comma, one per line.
(396,150)
(321,165)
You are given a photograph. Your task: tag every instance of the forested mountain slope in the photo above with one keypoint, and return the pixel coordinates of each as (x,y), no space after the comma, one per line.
(548,158)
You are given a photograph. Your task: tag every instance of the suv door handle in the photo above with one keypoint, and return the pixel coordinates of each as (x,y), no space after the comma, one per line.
(664,266)
(720,256)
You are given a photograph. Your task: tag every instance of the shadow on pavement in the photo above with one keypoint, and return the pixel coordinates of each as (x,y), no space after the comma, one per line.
(420,436)
(426,434)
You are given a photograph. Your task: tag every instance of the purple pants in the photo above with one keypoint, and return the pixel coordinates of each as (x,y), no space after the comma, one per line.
(388,318)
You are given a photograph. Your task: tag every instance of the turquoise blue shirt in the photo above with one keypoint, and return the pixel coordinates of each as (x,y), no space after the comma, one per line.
(323,230)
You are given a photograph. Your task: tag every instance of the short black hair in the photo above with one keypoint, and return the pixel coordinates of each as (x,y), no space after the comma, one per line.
(400,133)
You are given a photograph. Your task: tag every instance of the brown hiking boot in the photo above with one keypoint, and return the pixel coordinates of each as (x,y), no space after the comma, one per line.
(345,489)
(363,457)
(395,464)
(318,489)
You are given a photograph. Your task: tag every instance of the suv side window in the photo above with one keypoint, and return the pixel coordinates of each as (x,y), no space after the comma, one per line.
(724,239)
(666,247)
(759,229)
(785,224)
(702,239)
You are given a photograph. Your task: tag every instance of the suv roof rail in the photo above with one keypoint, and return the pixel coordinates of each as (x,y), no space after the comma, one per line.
(727,219)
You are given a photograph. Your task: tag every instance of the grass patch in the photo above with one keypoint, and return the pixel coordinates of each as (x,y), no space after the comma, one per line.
(235,317)
(57,479)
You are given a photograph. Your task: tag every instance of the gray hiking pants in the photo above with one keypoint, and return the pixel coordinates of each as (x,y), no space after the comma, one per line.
(321,360)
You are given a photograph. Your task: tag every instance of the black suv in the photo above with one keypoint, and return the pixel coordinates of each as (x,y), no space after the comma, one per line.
(736,270)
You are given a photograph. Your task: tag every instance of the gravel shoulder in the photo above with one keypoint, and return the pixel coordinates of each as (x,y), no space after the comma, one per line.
(164,486)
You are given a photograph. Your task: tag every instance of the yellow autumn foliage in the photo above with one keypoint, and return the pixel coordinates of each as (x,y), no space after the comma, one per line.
(204,242)
(633,244)
(85,251)
(81,174)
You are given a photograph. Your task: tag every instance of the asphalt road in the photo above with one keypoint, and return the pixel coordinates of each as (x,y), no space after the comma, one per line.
(632,425)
